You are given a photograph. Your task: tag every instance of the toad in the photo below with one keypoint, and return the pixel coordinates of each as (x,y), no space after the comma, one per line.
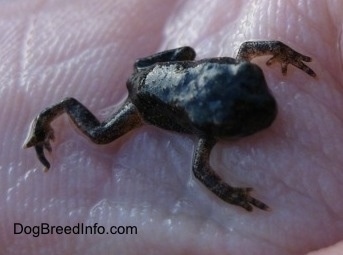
(213,99)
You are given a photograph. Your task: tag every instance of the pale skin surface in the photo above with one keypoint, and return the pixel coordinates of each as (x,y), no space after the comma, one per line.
(84,49)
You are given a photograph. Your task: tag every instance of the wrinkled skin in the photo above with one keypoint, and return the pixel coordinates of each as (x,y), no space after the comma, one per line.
(85,49)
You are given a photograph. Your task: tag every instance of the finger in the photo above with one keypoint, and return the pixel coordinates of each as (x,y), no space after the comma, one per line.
(247,206)
(306,58)
(284,68)
(258,204)
(47,146)
(305,68)
(40,154)
(270,61)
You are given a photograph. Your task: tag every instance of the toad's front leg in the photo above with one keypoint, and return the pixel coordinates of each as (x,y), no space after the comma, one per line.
(126,119)
(203,172)
(280,51)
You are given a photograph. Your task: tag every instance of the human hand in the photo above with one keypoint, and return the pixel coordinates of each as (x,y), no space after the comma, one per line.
(86,49)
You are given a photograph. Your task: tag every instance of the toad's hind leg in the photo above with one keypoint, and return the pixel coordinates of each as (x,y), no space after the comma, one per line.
(185,53)
(126,119)
(204,173)
(280,51)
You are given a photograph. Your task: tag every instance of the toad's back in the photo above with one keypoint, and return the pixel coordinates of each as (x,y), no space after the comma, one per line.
(220,97)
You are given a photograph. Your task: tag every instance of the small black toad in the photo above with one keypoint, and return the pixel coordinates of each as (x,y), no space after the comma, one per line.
(214,98)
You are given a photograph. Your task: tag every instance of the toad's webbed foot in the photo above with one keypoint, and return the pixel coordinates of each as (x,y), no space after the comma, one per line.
(280,51)
(204,173)
(241,197)
(39,137)
(41,133)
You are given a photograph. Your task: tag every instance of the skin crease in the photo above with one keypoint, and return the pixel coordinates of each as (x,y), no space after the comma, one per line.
(86,49)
